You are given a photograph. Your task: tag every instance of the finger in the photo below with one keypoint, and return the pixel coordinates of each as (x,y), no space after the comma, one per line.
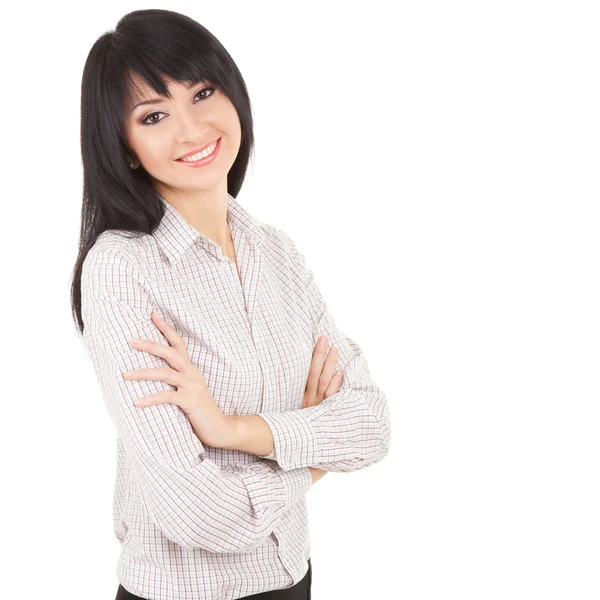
(174,339)
(170,354)
(312,401)
(327,372)
(316,366)
(309,401)
(334,386)
(164,397)
(165,374)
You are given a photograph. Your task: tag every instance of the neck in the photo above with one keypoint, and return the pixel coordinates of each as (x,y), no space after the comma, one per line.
(205,211)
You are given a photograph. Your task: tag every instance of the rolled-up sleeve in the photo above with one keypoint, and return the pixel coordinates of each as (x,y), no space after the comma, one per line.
(191,500)
(347,431)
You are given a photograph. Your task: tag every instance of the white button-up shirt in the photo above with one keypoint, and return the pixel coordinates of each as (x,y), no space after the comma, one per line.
(203,523)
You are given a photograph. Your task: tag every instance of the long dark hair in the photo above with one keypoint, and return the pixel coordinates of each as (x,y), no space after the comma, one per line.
(152,44)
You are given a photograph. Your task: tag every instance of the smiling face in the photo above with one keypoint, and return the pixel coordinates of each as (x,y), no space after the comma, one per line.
(161,130)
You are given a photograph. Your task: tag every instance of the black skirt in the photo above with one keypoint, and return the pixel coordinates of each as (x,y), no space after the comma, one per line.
(300,591)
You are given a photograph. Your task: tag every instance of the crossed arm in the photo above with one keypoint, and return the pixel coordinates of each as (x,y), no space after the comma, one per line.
(193,501)
(348,430)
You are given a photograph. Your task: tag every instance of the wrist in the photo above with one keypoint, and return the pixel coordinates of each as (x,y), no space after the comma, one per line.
(232,433)
(247,433)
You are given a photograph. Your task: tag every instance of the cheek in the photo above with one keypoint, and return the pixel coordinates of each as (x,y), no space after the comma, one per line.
(233,133)
(153,151)
(226,120)
(235,127)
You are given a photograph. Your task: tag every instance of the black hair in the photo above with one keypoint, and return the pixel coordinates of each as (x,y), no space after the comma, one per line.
(151,44)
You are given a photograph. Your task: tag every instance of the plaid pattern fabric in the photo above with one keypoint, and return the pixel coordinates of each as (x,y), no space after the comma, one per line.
(196,522)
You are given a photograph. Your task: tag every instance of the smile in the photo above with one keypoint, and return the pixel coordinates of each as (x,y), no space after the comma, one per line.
(202,158)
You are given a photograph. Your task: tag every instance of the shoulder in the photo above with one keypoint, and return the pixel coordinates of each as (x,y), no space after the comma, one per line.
(281,240)
(113,264)
(272,233)
(285,253)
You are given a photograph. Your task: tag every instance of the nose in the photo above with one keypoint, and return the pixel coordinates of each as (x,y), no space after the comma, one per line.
(190,128)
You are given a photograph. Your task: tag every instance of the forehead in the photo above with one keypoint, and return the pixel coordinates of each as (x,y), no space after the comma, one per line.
(139,89)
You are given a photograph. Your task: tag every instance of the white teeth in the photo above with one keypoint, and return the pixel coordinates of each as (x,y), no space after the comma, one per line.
(200,155)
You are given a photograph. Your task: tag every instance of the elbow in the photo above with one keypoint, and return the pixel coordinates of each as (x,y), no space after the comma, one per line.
(379,442)
(216,536)
(365,455)
(386,438)
(378,450)
(218,545)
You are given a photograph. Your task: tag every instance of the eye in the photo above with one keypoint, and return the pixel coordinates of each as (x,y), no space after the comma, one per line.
(210,88)
(147,120)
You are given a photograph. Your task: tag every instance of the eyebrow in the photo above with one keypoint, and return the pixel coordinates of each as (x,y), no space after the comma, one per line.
(159,100)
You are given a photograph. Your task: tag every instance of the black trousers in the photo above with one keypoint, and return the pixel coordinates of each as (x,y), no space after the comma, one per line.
(300,591)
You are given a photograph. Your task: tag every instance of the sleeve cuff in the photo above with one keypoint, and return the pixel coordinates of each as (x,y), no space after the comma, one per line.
(296,443)
(272,455)
(285,489)
(296,483)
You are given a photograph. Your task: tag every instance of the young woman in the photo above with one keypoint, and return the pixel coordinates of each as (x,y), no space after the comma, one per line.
(214,350)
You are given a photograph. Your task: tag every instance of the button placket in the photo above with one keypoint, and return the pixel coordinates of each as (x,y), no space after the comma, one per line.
(235,285)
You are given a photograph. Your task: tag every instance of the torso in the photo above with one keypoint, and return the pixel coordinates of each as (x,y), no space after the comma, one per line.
(231,255)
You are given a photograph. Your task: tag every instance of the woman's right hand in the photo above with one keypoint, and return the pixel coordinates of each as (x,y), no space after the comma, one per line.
(323,381)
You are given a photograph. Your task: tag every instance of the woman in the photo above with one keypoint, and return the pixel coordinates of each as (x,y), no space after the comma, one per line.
(243,409)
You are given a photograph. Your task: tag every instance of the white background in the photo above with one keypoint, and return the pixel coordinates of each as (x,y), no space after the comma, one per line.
(437,163)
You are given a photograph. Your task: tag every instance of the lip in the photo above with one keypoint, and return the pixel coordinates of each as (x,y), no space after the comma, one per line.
(191,152)
(202,161)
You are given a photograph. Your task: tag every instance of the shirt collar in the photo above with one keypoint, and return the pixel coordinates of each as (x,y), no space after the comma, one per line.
(176,235)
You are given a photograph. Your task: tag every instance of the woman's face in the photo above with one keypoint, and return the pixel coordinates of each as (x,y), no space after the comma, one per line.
(161,131)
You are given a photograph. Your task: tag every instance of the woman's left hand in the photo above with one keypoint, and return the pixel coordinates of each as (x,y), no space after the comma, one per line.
(192,395)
